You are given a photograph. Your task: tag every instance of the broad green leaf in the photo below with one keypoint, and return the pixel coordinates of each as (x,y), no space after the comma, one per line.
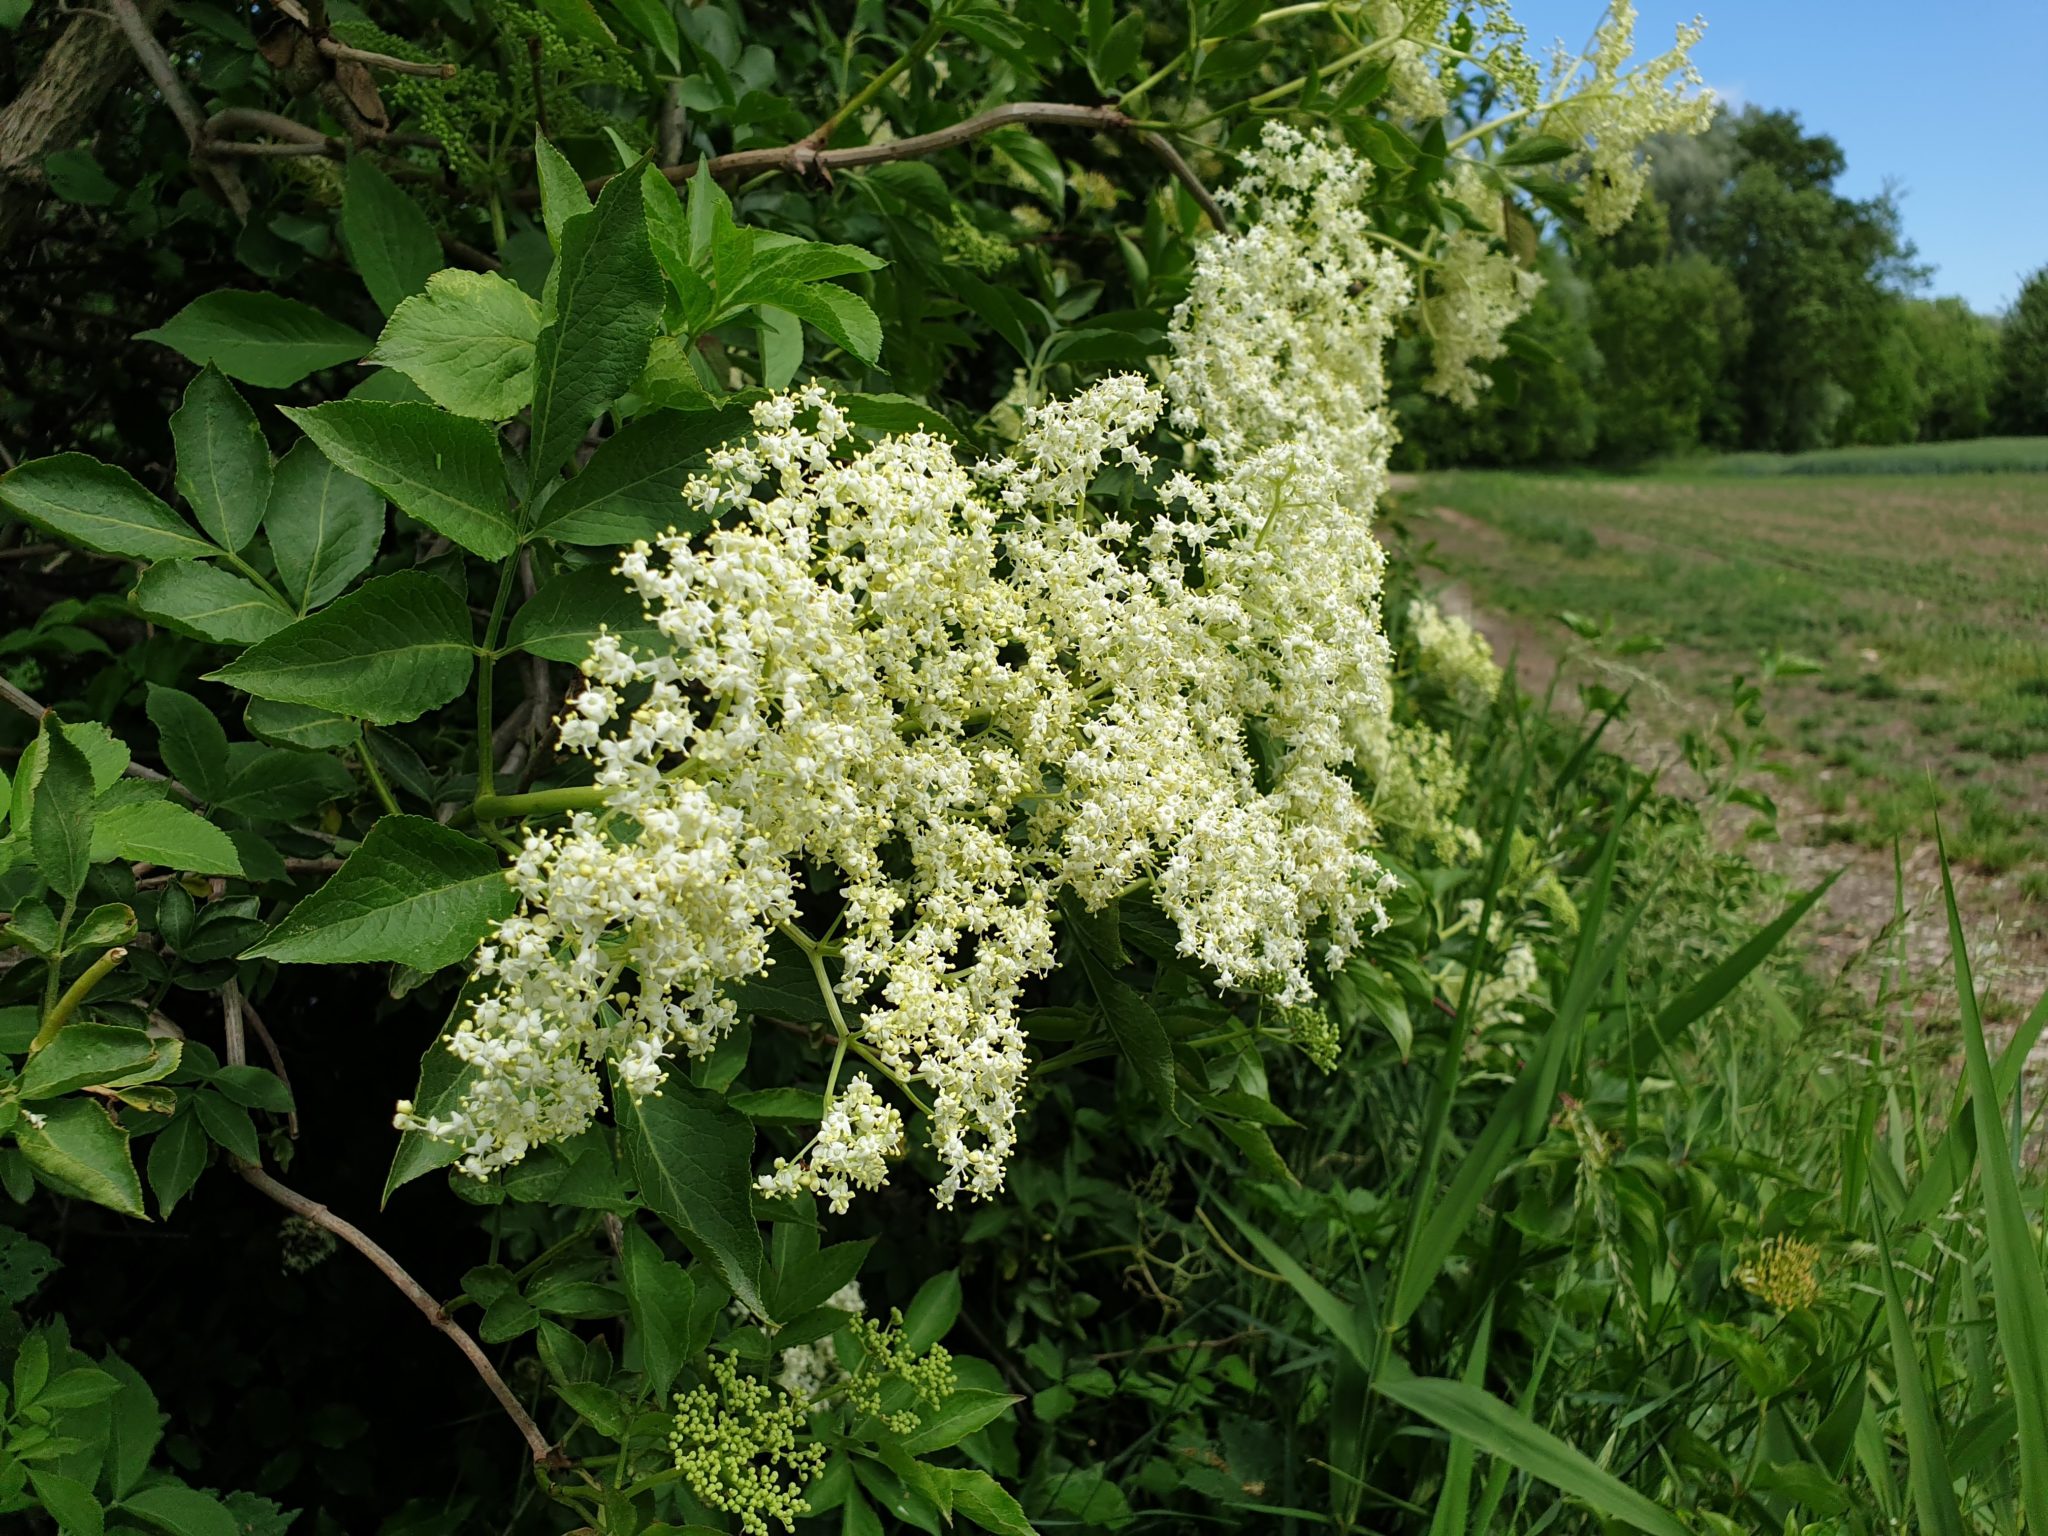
(782,345)
(323,523)
(181,1511)
(985,1501)
(806,261)
(164,834)
(563,617)
(840,313)
(468,342)
(393,649)
(272,784)
(189,740)
(1474,1414)
(229,1125)
(223,462)
(99,507)
(964,1410)
(444,470)
(62,822)
(660,1294)
(607,307)
(195,598)
(932,1311)
(444,1079)
(177,1156)
(388,237)
(79,1151)
(1138,1033)
(85,1055)
(69,1502)
(654,22)
(415,892)
(632,487)
(134,1426)
(562,197)
(260,338)
(692,1155)
(295,725)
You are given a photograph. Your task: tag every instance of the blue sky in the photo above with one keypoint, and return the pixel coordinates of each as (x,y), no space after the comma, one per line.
(1947,100)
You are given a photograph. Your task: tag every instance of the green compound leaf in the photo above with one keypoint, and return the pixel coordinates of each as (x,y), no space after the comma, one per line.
(99,507)
(389,239)
(390,651)
(259,338)
(79,1151)
(84,1055)
(444,470)
(60,829)
(608,292)
(324,526)
(468,342)
(182,1511)
(563,617)
(223,462)
(415,892)
(692,1155)
(660,1295)
(197,599)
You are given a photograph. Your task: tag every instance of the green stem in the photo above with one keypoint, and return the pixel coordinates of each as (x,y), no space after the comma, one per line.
(486,769)
(374,774)
(256,576)
(1265,98)
(53,983)
(75,994)
(539,802)
(926,41)
(1209,44)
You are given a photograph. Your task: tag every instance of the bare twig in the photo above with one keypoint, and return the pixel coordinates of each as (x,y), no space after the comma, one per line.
(544,1454)
(234,1046)
(469,255)
(255,1022)
(335,49)
(804,158)
(312,866)
(1181,1345)
(157,64)
(234,120)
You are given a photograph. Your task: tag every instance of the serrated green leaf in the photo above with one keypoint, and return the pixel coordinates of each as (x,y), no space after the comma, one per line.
(468,342)
(632,487)
(189,740)
(79,1151)
(444,470)
(563,617)
(198,599)
(223,462)
(61,824)
(415,892)
(260,338)
(692,1155)
(390,651)
(98,507)
(608,295)
(164,834)
(182,1511)
(324,525)
(840,313)
(85,1055)
(562,197)
(177,1156)
(69,1502)
(388,236)
(295,725)
(660,1294)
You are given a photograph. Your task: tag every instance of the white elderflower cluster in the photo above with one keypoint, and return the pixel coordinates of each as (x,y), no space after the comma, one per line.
(806,1371)
(1454,656)
(1476,292)
(1284,330)
(1415,85)
(1598,100)
(960,688)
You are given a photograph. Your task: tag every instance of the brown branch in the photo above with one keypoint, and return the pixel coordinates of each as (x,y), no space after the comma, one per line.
(384,61)
(234,1046)
(544,1454)
(469,255)
(157,64)
(255,1022)
(806,159)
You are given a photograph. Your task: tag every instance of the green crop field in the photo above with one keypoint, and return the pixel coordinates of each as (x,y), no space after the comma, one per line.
(1921,600)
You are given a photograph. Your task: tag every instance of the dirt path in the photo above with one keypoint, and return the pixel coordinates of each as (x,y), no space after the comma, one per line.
(1852,933)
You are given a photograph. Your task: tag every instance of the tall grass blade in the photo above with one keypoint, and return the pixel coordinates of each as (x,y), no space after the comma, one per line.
(2016,1279)
(1927,1469)
(1478,1416)
(1948,1168)
(1453,1505)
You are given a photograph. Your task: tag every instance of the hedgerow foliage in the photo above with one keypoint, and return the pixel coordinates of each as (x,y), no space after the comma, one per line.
(795,601)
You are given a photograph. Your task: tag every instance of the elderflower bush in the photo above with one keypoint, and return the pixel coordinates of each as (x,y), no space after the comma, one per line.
(878,683)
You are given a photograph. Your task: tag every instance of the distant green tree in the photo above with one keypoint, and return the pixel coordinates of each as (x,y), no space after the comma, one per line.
(1956,352)
(1666,329)
(2021,401)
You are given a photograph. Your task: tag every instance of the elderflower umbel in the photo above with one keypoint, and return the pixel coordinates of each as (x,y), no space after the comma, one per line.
(735,1442)
(1598,100)
(1475,293)
(1454,657)
(961,688)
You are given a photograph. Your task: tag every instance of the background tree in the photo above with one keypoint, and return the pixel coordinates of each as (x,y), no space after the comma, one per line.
(2021,404)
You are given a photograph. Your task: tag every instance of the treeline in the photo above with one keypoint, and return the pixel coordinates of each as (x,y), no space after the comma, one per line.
(1748,305)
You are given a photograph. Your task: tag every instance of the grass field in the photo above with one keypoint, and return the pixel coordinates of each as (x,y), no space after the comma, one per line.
(1921,598)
